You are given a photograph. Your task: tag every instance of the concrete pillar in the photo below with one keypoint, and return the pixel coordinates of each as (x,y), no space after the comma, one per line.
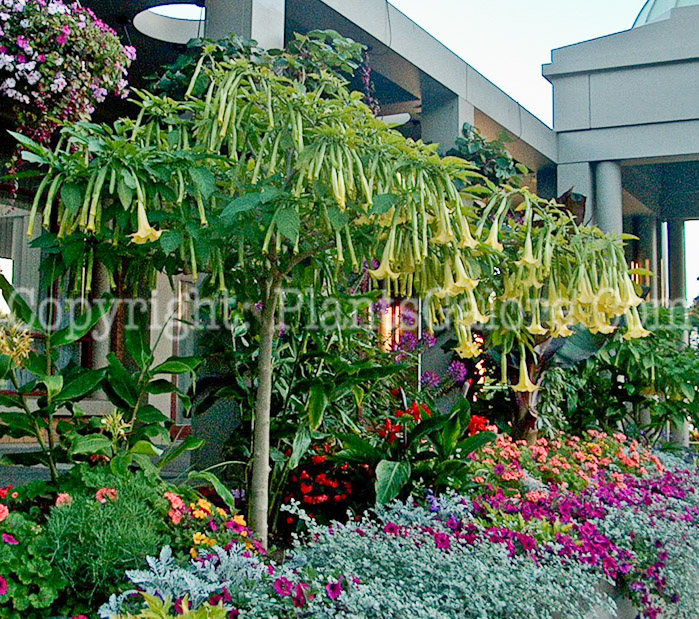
(261,20)
(579,177)
(676,260)
(648,250)
(608,191)
(101,334)
(442,121)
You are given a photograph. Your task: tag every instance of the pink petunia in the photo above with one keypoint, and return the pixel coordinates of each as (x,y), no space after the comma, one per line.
(11,540)
(3,587)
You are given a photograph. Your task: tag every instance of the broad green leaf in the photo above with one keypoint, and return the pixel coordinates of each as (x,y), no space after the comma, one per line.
(146,448)
(72,197)
(177,365)
(239,205)
(149,414)
(217,485)
(18,306)
(451,433)
(53,385)
(82,325)
(171,240)
(191,443)
(5,366)
(338,218)
(125,193)
(120,464)
(302,441)
(475,442)
(383,203)
(120,383)
(137,342)
(288,222)
(356,449)
(84,384)
(426,427)
(317,404)
(391,477)
(91,444)
(204,181)
(18,425)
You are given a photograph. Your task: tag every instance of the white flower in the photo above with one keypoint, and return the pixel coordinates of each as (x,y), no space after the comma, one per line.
(25,23)
(9,83)
(4,16)
(59,82)
(33,77)
(6,61)
(8,3)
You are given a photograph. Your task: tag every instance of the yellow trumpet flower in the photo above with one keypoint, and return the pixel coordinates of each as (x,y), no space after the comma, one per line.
(467,240)
(473,316)
(145,233)
(448,289)
(492,240)
(384,270)
(528,259)
(468,347)
(600,324)
(530,281)
(525,385)
(634,329)
(463,282)
(628,293)
(585,294)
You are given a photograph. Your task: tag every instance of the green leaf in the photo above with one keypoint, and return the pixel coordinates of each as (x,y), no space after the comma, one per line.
(137,342)
(177,365)
(149,414)
(204,181)
(356,449)
(391,477)
(302,441)
(217,485)
(243,204)
(82,325)
(383,203)
(9,401)
(53,385)
(72,197)
(288,223)
(338,218)
(317,404)
(146,448)
(191,443)
(18,306)
(125,193)
(475,442)
(91,444)
(426,427)
(5,366)
(120,464)
(451,433)
(171,240)
(82,385)
(120,383)
(18,424)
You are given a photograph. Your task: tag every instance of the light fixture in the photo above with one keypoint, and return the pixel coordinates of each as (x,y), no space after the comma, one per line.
(396,120)
(174,23)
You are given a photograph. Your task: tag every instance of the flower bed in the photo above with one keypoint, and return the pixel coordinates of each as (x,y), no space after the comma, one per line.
(536,546)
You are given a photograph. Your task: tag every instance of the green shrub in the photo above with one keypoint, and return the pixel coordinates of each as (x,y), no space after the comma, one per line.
(31,583)
(106,528)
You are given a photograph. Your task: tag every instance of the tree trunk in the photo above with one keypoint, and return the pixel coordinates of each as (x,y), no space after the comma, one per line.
(259,500)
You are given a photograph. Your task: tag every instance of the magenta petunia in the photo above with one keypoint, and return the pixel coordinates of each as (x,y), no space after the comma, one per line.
(3,586)
(9,539)
(334,590)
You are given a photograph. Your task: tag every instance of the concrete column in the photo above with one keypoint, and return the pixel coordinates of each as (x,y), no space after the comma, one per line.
(442,122)
(648,250)
(261,20)
(676,260)
(608,204)
(579,177)
(101,335)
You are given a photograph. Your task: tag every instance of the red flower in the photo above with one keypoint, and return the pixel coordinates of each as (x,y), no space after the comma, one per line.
(306,488)
(477,424)
(318,459)
(390,431)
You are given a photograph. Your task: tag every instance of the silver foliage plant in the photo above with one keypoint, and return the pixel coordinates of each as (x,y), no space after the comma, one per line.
(390,568)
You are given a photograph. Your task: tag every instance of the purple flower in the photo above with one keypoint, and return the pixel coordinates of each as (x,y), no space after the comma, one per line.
(284,587)
(442,541)
(334,589)
(430,379)
(23,43)
(458,372)
(408,341)
(9,539)
(429,340)
(3,587)
(130,52)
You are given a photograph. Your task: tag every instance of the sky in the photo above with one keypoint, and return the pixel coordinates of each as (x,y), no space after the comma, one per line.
(509,40)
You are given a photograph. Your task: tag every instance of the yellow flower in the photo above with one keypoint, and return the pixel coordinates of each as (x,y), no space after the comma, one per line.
(473,316)
(221,512)
(240,520)
(468,347)
(528,258)
(467,240)
(525,385)
(628,293)
(492,240)
(205,505)
(448,288)
(384,271)
(194,553)
(199,538)
(463,282)
(200,514)
(634,329)
(145,233)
